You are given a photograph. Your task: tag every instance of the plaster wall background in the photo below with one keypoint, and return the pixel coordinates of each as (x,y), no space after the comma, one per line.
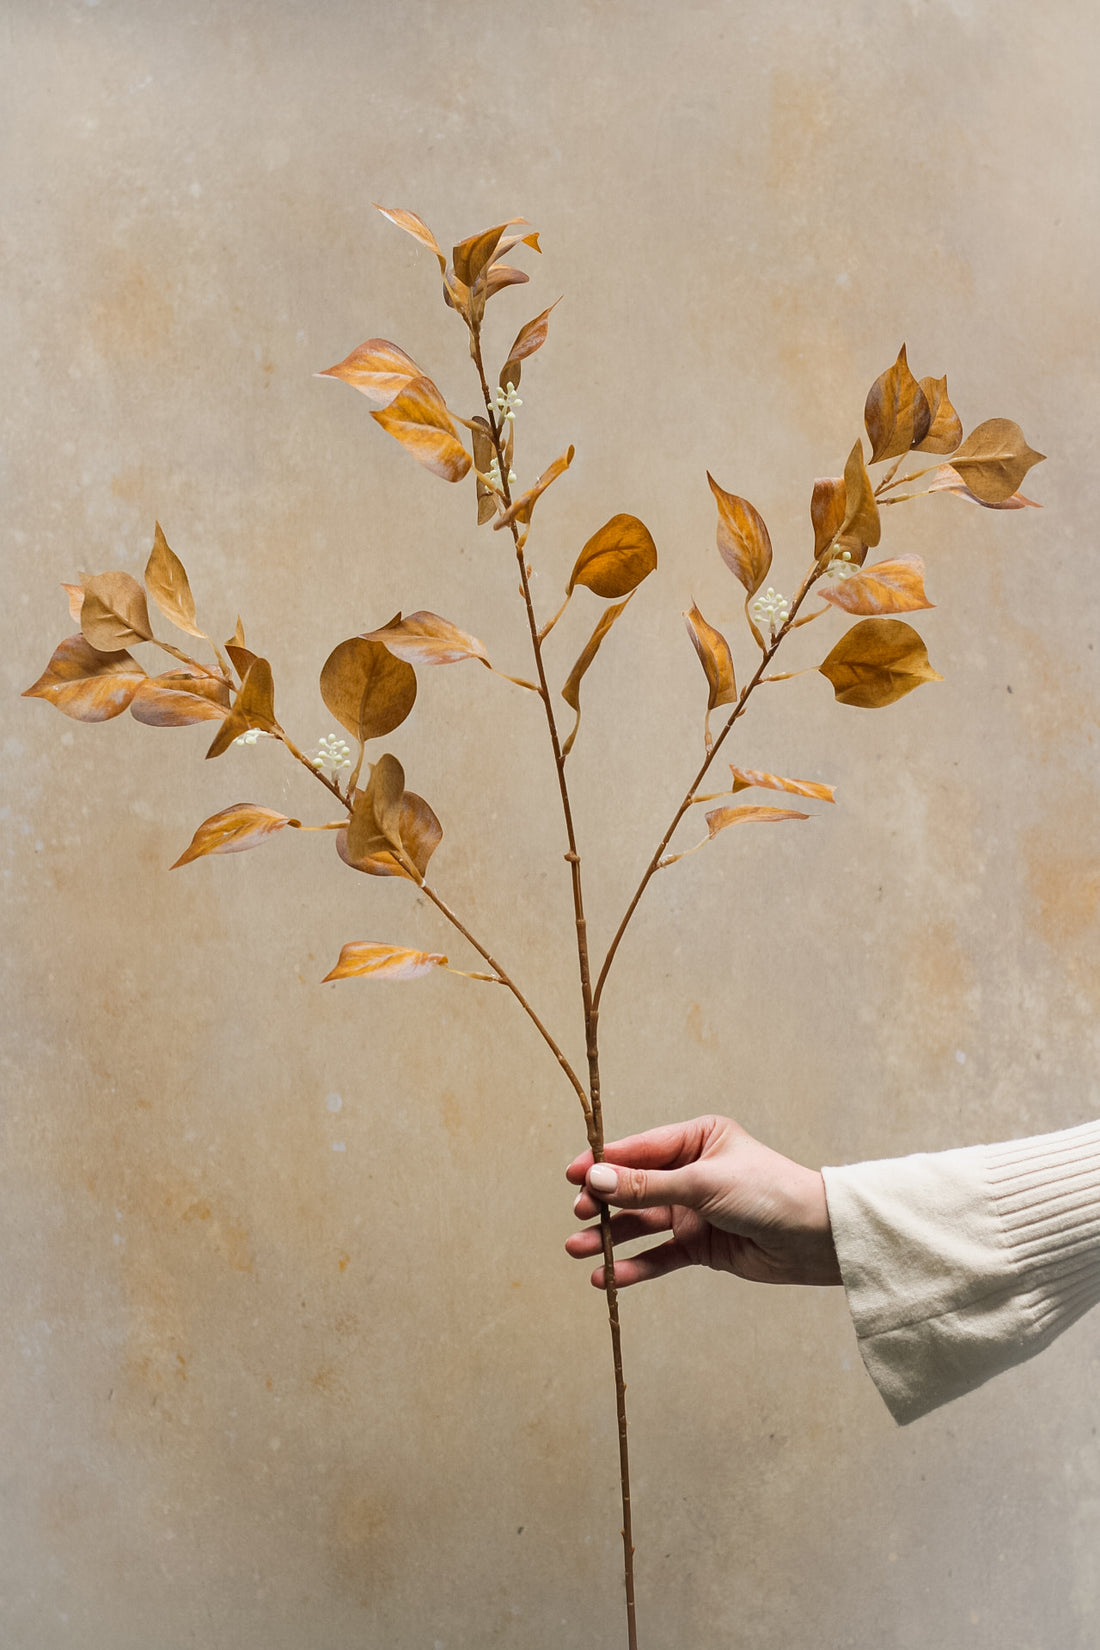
(293,1354)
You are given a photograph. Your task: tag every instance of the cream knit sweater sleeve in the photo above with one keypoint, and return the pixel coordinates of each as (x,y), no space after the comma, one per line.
(959,1264)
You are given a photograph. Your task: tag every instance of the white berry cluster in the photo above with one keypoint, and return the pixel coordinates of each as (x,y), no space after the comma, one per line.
(771,609)
(333,753)
(507,400)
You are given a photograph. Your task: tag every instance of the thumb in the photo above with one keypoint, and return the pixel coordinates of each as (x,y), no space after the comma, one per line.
(643,1188)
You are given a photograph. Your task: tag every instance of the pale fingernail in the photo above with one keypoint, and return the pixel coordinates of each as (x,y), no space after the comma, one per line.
(602,1178)
(577,1201)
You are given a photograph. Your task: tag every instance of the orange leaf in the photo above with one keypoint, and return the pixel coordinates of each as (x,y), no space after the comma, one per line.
(945,431)
(719,818)
(471,256)
(242,826)
(377,369)
(715,658)
(752,778)
(521,507)
(947,480)
(377,814)
(420,833)
(180,698)
(166,581)
(528,340)
(877,662)
(367,689)
(418,418)
(743,540)
(861,517)
(502,275)
(366,959)
(412,225)
(827,511)
(885,587)
(114,613)
(615,559)
(254,708)
(897,414)
(994,459)
(425,639)
(571,692)
(88,685)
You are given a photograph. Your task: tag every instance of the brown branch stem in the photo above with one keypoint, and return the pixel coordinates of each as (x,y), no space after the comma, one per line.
(594,1111)
(689,796)
(218,675)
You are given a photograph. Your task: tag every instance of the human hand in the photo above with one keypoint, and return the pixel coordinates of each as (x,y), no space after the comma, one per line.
(729,1202)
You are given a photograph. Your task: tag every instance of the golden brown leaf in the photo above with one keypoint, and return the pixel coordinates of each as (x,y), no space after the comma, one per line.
(945,431)
(501,275)
(114,613)
(412,225)
(254,707)
(571,692)
(167,583)
(743,540)
(885,587)
(473,254)
(897,414)
(993,460)
(753,778)
(377,812)
(715,658)
(615,559)
(75,593)
(425,639)
(419,419)
(366,959)
(242,826)
(719,818)
(827,509)
(521,507)
(368,690)
(180,698)
(877,662)
(87,685)
(484,453)
(861,517)
(420,833)
(528,339)
(377,369)
(947,480)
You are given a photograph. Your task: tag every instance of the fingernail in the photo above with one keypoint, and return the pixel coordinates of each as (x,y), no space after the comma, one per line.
(576,1201)
(602,1178)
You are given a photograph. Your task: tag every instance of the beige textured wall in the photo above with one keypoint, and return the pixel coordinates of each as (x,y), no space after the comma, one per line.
(278,1375)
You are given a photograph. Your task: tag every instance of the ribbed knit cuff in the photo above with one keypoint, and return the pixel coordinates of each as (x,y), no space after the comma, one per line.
(1046,1193)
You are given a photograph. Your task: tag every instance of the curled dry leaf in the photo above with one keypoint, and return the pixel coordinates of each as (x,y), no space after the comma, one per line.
(75,593)
(254,707)
(993,460)
(571,692)
(945,430)
(471,256)
(420,833)
(166,581)
(501,275)
(484,453)
(425,639)
(896,413)
(114,613)
(743,540)
(719,818)
(861,517)
(528,339)
(377,369)
(827,510)
(367,688)
(715,658)
(418,418)
(87,685)
(947,480)
(753,778)
(377,812)
(242,826)
(366,959)
(877,662)
(615,559)
(521,507)
(180,698)
(885,587)
(412,225)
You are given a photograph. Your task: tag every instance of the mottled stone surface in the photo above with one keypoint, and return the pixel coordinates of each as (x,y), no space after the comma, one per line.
(294,1356)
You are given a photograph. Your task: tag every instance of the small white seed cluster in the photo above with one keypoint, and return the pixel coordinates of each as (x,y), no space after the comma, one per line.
(771,609)
(252,736)
(842,566)
(333,753)
(507,400)
(494,476)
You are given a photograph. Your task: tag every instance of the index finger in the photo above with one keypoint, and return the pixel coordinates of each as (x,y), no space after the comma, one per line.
(668,1147)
